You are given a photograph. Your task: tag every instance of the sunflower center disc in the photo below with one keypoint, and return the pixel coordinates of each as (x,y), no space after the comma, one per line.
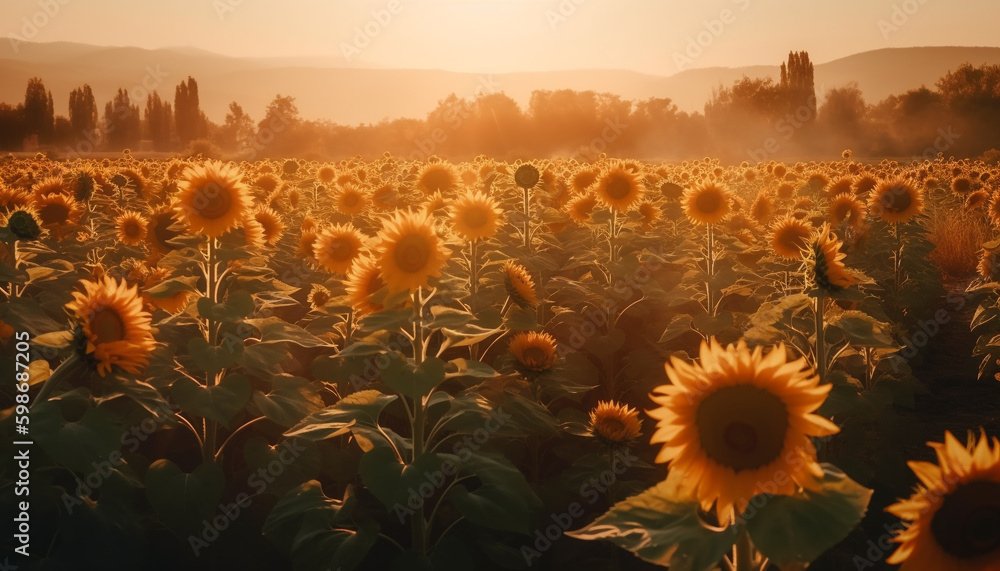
(350,199)
(618,188)
(742,427)
(897,200)
(54,213)
(412,254)
(163,232)
(107,326)
(967,525)
(708,202)
(611,428)
(213,201)
(534,356)
(340,250)
(476,217)
(132,229)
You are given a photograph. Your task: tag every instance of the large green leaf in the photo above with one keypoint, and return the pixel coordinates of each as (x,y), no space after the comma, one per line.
(290,399)
(392,482)
(83,445)
(182,500)
(663,527)
(795,530)
(213,359)
(415,382)
(220,402)
(305,509)
(337,419)
(273,329)
(503,500)
(238,304)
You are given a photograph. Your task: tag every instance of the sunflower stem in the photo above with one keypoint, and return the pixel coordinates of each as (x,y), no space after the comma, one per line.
(73,365)
(527,221)
(210,426)
(744,553)
(820,337)
(473,267)
(418,525)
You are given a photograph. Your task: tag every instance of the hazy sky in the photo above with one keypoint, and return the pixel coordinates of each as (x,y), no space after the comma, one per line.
(489,36)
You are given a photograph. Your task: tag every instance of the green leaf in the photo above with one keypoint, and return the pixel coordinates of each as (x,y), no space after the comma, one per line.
(392,481)
(662,527)
(447,317)
(76,445)
(795,530)
(712,325)
(290,399)
(264,357)
(171,287)
(274,329)
(183,500)
(861,329)
(415,382)
(679,325)
(304,509)
(504,500)
(238,304)
(466,368)
(56,339)
(362,349)
(220,402)
(388,320)
(213,359)
(337,419)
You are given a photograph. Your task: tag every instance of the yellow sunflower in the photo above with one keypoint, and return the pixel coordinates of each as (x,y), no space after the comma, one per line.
(410,251)
(23,223)
(304,249)
(896,200)
(47,186)
(618,188)
(351,200)
(437,177)
(954,514)
(989,266)
(163,226)
(580,207)
(114,326)
(533,352)
(615,424)
(131,228)
(364,279)
(271,224)
(845,208)
(326,174)
(475,216)
(582,180)
(649,214)
(976,199)
(826,268)
(318,296)
(517,281)
(336,247)
(58,212)
(212,198)
(739,419)
(790,236)
(706,203)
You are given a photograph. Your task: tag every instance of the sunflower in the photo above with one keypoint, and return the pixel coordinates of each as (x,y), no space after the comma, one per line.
(534,353)
(649,214)
(58,212)
(762,207)
(580,207)
(364,279)
(326,174)
(582,179)
(989,266)
(384,196)
(896,200)
(517,281)
(618,188)
(253,232)
(162,227)
(24,224)
(707,203)
(825,261)
(270,222)
(474,216)
(11,198)
(336,247)
(351,200)
(437,177)
(615,424)
(976,199)
(112,327)
(410,251)
(318,296)
(131,228)
(47,186)
(954,514)
(212,198)
(962,185)
(845,208)
(304,249)
(737,419)
(526,176)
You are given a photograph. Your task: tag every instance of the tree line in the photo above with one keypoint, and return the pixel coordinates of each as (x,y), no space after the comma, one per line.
(754,119)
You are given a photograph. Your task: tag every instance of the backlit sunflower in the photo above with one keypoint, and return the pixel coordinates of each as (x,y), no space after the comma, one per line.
(826,268)
(113,330)
(58,212)
(649,214)
(304,249)
(47,186)
(212,198)
(615,424)
(173,302)
(271,223)
(23,223)
(976,199)
(580,207)
(364,279)
(336,247)
(989,266)
(534,352)
(954,514)
(131,228)
(789,236)
(351,200)
(410,251)
(163,226)
(437,177)
(526,176)
(762,207)
(518,284)
(736,420)
(706,203)
(318,296)
(474,216)
(896,200)
(582,180)
(845,208)
(618,188)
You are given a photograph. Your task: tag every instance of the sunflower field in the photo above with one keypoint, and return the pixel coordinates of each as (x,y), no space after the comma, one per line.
(542,364)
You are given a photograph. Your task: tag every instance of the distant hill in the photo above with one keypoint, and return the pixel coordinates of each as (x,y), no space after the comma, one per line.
(349,95)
